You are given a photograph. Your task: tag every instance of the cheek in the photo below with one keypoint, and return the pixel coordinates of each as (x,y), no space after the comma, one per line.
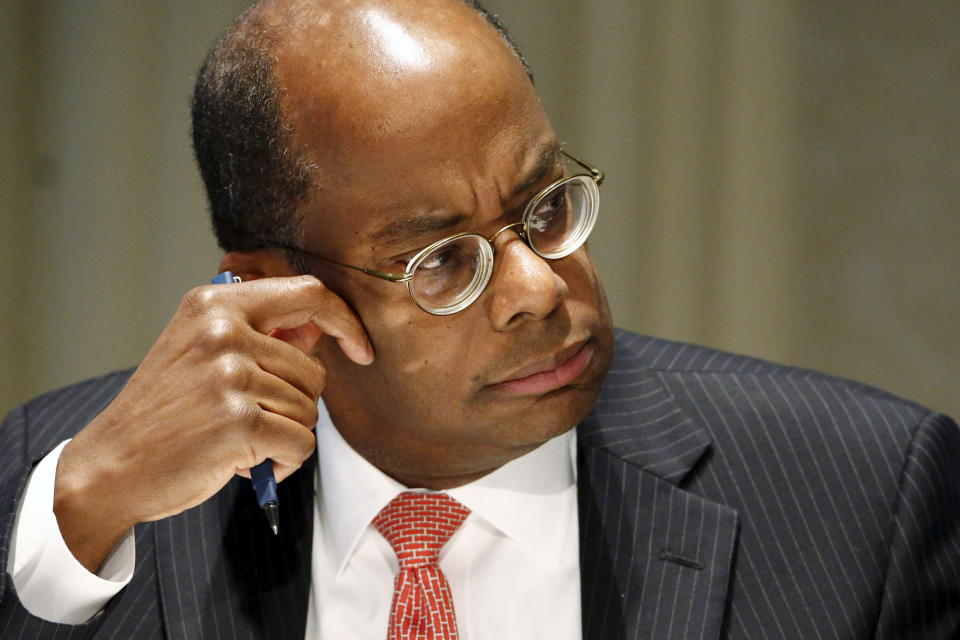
(425,349)
(421,353)
(580,274)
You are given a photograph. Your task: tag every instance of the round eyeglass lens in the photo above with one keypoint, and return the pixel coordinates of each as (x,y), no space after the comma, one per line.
(559,221)
(449,276)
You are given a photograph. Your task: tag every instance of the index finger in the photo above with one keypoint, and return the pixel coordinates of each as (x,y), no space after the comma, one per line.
(290,302)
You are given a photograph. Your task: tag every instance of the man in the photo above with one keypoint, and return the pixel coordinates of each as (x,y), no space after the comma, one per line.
(449,334)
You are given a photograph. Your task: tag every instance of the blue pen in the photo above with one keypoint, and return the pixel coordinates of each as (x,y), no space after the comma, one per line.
(264,484)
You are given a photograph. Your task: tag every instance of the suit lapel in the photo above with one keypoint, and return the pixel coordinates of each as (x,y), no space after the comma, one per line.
(222,573)
(655,559)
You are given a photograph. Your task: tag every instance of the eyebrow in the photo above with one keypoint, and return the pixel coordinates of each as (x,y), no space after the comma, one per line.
(547,159)
(413,225)
(416,224)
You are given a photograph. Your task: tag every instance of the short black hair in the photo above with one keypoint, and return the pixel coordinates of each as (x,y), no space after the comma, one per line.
(254,175)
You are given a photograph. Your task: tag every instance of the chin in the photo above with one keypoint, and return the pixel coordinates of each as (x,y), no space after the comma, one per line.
(554,414)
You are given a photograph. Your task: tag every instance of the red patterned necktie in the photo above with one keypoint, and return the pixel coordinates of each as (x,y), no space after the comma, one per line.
(417,525)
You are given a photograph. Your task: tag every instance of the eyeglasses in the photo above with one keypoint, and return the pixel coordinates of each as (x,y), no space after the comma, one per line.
(450,274)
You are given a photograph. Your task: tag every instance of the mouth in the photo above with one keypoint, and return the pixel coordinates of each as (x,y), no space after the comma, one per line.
(550,373)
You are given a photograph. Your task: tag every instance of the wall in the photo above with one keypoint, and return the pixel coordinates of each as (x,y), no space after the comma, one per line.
(782,177)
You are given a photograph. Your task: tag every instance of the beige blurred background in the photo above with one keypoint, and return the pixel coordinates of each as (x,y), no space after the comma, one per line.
(783,178)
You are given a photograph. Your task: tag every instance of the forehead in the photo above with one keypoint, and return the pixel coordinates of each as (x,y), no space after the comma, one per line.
(406,224)
(391,196)
(368,72)
(410,118)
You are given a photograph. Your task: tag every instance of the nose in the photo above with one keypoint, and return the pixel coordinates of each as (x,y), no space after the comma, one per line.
(524,286)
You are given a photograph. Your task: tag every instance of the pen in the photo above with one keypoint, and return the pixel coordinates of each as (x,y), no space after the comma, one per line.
(264,484)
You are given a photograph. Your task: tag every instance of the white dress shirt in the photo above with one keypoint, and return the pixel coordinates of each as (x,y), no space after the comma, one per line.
(513,567)
(50,582)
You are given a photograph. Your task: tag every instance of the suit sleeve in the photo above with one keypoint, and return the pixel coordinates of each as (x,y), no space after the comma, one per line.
(921,597)
(15,466)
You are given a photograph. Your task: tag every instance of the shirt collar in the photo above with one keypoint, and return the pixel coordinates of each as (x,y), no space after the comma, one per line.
(529,499)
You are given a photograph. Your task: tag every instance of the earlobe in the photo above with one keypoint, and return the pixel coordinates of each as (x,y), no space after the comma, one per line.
(255,264)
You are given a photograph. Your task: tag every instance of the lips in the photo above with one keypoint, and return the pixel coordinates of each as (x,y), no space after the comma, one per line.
(550,373)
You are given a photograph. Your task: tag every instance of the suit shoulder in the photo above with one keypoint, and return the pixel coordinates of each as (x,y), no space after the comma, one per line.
(836,484)
(658,354)
(692,360)
(739,397)
(59,414)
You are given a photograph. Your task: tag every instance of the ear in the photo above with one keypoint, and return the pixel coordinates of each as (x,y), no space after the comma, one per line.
(257,263)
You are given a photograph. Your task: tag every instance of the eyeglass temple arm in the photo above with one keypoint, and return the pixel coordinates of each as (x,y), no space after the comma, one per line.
(594,171)
(392,277)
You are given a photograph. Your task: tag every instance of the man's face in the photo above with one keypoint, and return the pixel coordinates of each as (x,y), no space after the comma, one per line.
(422,144)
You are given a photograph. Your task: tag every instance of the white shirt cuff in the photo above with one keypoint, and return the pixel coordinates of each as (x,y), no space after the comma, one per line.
(51,583)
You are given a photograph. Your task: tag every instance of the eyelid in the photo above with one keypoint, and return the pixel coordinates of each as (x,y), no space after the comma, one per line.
(520,199)
(403,260)
(561,171)
(406,257)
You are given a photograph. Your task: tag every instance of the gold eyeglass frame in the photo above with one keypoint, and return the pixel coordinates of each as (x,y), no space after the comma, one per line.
(487,248)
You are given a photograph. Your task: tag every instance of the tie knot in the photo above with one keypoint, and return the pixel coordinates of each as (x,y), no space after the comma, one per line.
(417,525)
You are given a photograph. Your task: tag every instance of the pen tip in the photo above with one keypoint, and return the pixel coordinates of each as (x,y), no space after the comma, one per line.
(273,517)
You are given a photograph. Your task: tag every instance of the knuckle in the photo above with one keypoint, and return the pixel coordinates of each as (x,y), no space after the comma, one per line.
(219,334)
(305,445)
(319,380)
(197,301)
(232,371)
(310,285)
(239,411)
(311,414)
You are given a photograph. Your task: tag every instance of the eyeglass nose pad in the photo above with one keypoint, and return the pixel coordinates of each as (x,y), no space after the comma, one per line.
(493,239)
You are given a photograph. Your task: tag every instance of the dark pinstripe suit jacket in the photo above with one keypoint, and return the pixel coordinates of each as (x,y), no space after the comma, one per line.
(720,497)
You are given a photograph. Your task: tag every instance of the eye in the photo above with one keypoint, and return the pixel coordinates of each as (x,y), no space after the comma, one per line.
(547,211)
(436,260)
(400,262)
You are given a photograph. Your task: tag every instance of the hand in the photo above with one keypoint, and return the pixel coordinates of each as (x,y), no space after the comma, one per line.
(228,384)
